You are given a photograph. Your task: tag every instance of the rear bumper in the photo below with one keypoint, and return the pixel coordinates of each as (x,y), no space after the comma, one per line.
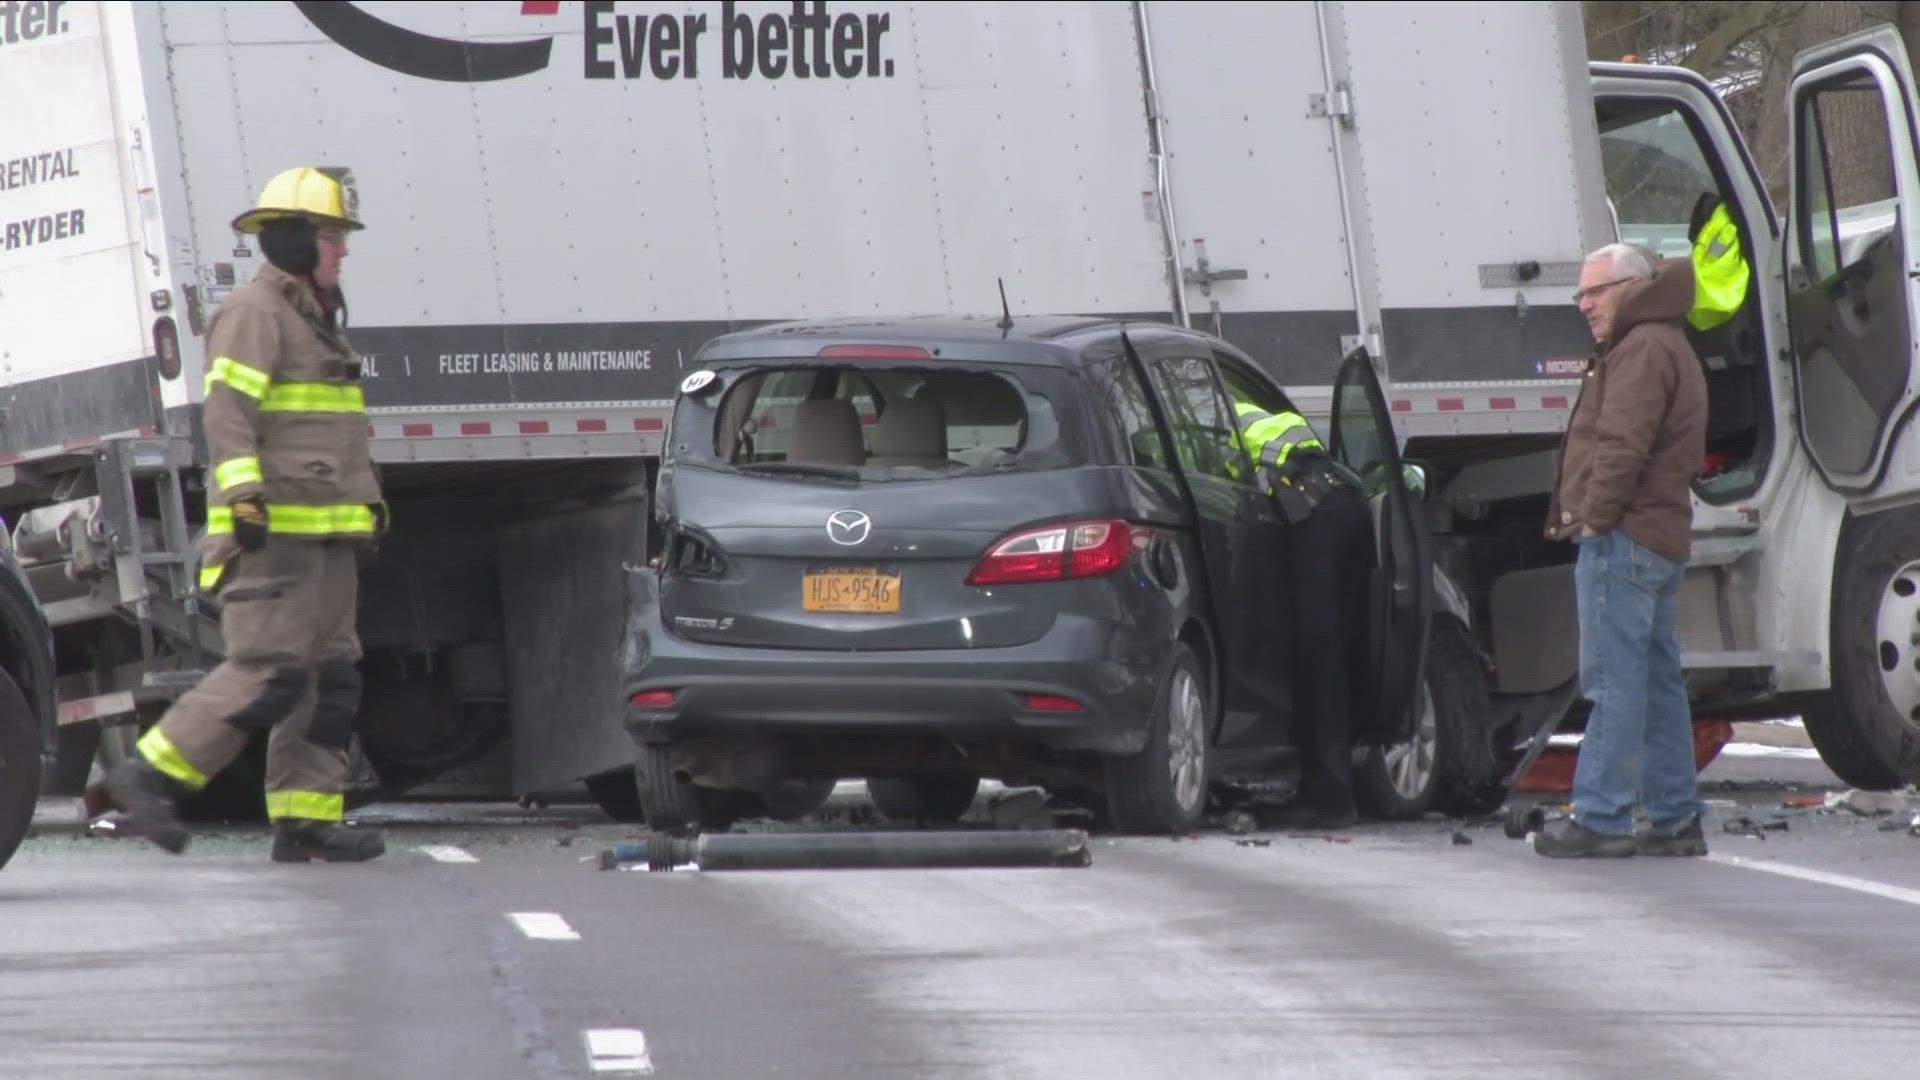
(1111,672)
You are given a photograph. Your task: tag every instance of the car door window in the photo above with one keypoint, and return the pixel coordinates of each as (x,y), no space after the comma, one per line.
(1244,385)
(1201,420)
(1118,390)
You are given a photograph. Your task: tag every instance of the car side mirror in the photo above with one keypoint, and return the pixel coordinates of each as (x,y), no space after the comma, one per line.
(1414,475)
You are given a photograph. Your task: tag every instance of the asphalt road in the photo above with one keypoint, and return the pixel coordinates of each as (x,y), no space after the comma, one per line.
(488,944)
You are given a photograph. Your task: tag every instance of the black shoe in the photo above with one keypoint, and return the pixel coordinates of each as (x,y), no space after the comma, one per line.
(1565,838)
(147,794)
(1308,817)
(1690,841)
(295,840)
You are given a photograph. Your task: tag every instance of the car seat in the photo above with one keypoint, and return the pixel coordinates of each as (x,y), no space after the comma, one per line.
(911,432)
(826,431)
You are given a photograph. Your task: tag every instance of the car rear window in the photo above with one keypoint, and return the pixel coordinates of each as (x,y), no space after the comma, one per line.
(884,423)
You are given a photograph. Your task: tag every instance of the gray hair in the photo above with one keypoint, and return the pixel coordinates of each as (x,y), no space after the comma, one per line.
(1626,260)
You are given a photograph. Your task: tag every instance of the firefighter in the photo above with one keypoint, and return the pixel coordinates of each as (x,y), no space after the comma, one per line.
(1332,546)
(1720,270)
(294,501)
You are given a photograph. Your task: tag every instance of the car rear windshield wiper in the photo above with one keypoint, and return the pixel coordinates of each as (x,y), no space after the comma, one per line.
(835,472)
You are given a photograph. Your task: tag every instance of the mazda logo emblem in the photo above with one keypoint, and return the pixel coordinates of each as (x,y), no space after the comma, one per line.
(848,527)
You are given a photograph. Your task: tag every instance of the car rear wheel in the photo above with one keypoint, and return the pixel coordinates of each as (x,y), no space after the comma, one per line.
(936,800)
(19,767)
(671,805)
(1163,788)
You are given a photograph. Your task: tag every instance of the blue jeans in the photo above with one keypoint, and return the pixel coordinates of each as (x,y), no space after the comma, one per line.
(1638,744)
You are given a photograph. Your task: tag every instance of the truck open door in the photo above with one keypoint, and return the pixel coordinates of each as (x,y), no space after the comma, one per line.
(1361,437)
(1853,261)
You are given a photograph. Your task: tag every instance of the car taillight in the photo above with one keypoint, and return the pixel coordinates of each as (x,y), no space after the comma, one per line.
(1079,549)
(873,352)
(651,699)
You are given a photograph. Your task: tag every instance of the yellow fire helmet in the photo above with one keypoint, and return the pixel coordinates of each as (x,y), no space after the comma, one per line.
(325,196)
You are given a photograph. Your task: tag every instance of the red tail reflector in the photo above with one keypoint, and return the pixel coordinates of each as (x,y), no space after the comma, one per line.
(1079,549)
(651,699)
(874,352)
(1051,703)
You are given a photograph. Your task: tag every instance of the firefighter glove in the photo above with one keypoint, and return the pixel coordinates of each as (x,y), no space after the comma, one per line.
(250,524)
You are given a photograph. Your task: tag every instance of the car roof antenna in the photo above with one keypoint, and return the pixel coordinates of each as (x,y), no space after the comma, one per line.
(1006,313)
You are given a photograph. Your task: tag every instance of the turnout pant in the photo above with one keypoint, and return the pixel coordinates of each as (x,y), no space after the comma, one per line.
(289,617)
(1332,551)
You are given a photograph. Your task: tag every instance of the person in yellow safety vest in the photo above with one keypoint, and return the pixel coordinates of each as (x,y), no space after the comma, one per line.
(294,501)
(1326,597)
(1720,270)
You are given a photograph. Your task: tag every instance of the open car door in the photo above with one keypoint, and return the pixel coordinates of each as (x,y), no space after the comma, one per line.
(1362,439)
(1853,260)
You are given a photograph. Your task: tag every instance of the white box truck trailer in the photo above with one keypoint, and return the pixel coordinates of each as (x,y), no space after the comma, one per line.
(565,200)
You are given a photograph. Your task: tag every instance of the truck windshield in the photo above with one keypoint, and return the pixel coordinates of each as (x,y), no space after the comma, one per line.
(869,422)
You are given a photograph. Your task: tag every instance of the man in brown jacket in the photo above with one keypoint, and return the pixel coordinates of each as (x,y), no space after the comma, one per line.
(294,497)
(1624,495)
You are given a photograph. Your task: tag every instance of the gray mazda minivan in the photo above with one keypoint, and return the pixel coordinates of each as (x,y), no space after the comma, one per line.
(928,551)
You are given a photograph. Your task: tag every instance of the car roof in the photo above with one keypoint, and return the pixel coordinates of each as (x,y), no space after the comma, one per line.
(1032,339)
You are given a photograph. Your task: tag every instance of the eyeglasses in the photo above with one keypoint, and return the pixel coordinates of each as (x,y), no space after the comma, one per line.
(1596,290)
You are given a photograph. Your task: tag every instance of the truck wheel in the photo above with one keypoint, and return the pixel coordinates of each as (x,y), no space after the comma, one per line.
(671,805)
(936,800)
(1163,788)
(19,767)
(1867,724)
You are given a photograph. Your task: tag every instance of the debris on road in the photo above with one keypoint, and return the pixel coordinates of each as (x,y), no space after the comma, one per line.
(1240,823)
(1461,839)
(1746,826)
(1869,803)
(1020,809)
(857,851)
(1253,842)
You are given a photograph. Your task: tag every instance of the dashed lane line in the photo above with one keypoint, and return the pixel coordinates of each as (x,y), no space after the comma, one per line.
(543,926)
(619,1050)
(1840,881)
(448,854)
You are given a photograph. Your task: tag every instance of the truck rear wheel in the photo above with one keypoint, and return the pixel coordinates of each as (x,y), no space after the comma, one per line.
(19,767)
(1867,724)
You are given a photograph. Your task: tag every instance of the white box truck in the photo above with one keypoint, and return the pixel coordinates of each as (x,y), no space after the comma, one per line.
(565,200)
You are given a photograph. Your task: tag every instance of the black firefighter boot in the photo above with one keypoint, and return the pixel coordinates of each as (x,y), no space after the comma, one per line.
(146,795)
(300,840)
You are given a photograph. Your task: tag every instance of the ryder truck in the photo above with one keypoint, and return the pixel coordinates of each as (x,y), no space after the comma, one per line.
(566,199)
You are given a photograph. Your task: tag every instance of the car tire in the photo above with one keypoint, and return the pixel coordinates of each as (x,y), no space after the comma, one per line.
(1402,781)
(791,800)
(617,794)
(1163,788)
(1473,758)
(935,800)
(671,805)
(19,767)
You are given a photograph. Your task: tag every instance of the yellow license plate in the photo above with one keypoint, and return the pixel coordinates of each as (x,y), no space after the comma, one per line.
(863,591)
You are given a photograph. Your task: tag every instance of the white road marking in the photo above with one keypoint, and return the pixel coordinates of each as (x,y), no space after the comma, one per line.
(619,1050)
(543,926)
(1841,881)
(448,854)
